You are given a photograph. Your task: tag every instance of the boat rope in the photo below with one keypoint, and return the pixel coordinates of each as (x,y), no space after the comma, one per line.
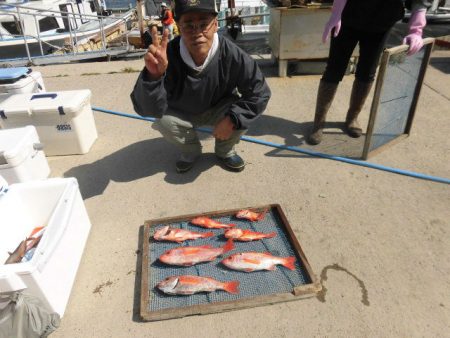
(303,151)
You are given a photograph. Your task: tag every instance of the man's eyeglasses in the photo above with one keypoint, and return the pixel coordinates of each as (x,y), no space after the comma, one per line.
(202,26)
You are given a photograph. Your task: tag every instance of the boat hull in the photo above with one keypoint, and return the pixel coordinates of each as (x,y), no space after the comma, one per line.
(18,51)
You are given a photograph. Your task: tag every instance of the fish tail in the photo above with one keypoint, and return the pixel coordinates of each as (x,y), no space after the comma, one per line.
(36,230)
(232,287)
(208,234)
(289,262)
(228,246)
(262,215)
(271,234)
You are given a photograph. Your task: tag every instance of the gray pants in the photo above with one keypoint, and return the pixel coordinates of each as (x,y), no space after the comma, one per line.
(179,130)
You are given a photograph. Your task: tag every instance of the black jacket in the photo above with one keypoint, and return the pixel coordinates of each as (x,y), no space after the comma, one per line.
(185,91)
(377,15)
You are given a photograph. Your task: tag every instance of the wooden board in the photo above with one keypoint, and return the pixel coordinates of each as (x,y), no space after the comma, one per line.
(297,292)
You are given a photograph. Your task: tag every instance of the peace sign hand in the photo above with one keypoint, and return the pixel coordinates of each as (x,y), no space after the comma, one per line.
(156,56)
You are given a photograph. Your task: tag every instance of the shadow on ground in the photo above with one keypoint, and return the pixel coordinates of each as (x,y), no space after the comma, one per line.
(153,156)
(138,160)
(335,141)
(442,64)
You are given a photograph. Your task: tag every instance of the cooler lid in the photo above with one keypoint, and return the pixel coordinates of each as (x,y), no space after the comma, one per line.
(64,102)
(16,144)
(12,73)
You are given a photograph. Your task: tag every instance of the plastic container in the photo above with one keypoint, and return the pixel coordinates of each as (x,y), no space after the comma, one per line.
(50,274)
(21,156)
(20,80)
(64,120)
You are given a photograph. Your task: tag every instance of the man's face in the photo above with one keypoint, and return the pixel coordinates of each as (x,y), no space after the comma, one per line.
(197,31)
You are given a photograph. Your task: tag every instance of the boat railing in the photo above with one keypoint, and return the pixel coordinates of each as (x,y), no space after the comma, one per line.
(72,29)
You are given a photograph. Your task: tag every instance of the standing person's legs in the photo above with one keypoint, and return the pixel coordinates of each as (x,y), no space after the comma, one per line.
(370,48)
(341,49)
(181,133)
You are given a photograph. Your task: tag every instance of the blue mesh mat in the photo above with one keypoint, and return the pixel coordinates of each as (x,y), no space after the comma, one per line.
(252,284)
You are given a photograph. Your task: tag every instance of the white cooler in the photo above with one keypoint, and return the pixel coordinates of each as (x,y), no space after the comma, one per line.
(21,156)
(20,80)
(64,120)
(50,274)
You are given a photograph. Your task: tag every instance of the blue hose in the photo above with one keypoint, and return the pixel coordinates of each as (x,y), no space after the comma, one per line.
(303,151)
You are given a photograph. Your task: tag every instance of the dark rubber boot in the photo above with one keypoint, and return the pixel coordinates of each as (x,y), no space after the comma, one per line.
(325,96)
(360,91)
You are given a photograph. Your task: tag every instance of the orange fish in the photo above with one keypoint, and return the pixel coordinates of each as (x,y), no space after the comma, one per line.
(247,235)
(188,285)
(208,223)
(178,235)
(251,215)
(254,261)
(190,255)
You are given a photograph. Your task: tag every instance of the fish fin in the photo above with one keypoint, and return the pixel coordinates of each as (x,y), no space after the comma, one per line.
(231,225)
(262,215)
(272,268)
(289,262)
(249,270)
(35,230)
(228,246)
(232,287)
(208,234)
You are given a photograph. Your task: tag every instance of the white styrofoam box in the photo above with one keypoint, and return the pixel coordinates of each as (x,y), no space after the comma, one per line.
(50,274)
(20,80)
(21,156)
(64,120)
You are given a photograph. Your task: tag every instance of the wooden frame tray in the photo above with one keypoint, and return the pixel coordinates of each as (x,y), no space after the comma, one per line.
(258,288)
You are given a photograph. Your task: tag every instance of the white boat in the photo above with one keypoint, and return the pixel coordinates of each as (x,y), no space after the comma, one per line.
(38,28)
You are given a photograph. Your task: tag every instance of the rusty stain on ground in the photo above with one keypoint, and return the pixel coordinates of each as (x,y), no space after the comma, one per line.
(100,287)
(323,277)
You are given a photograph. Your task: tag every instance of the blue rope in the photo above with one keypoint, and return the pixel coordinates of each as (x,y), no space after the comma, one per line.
(303,151)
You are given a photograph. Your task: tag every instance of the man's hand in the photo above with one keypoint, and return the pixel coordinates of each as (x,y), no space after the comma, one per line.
(223,130)
(156,56)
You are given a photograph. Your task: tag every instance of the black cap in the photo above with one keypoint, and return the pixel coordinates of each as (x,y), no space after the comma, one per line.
(185,6)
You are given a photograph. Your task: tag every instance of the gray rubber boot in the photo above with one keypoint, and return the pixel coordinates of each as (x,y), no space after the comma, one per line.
(360,91)
(325,96)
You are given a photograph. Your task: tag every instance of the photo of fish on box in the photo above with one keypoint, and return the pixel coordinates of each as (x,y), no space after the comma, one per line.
(221,261)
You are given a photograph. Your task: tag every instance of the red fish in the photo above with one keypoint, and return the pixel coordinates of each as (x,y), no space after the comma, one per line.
(178,235)
(254,261)
(208,223)
(247,235)
(188,285)
(190,255)
(251,215)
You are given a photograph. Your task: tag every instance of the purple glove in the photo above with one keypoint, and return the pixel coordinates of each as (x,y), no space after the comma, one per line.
(417,22)
(335,20)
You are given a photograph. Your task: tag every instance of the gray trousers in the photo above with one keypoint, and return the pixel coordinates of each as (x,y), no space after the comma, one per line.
(179,130)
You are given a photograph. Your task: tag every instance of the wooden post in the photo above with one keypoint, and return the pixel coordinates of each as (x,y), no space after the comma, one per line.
(140,13)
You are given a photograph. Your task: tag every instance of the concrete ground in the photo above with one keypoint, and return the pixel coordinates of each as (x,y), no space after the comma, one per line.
(378,242)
